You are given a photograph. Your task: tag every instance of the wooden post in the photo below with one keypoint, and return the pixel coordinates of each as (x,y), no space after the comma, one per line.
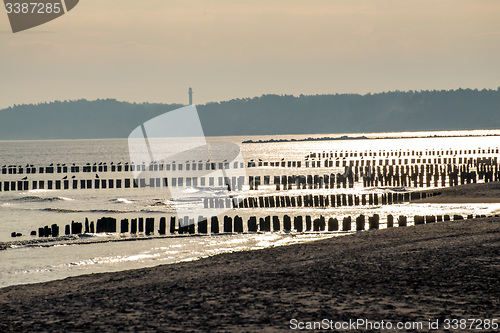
(360,223)
(172,225)
(252,224)
(202,225)
(238,224)
(214,225)
(141,224)
(346,223)
(163,226)
(133,226)
(333,224)
(150,226)
(418,220)
(374,221)
(55,230)
(124,226)
(402,221)
(276,223)
(390,221)
(298,223)
(228,224)
(287,223)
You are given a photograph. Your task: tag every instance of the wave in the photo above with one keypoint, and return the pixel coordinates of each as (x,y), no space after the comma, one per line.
(33,198)
(121,200)
(105,211)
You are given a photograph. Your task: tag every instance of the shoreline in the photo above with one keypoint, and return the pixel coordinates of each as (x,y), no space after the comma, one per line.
(440,270)
(468,193)
(363,137)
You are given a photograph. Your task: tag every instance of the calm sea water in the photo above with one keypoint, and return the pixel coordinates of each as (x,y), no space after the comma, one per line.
(29,210)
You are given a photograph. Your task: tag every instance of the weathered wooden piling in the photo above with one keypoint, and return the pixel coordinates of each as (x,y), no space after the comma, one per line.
(150,226)
(106,224)
(417,220)
(346,223)
(238,224)
(265,224)
(228,224)
(133,226)
(430,219)
(390,221)
(360,223)
(124,226)
(298,223)
(252,224)
(402,221)
(319,224)
(333,224)
(183,225)
(214,225)
(276,223)
(191,226)
(140,224)
(374,221)
(287,223)
(163,226)
(172,225)
(76,228)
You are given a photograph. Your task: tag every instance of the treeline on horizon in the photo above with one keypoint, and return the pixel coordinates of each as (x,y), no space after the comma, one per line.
(396,111)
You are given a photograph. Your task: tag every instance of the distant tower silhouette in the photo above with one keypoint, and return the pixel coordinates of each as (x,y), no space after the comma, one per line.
(190,96)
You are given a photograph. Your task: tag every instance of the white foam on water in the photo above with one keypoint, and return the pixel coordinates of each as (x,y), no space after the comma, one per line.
(123,200)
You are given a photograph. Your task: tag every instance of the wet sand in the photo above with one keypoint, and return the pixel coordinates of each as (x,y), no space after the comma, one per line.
(469,193)
(433,271)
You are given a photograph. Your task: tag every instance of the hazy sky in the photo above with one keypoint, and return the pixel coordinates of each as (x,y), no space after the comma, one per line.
(153,50)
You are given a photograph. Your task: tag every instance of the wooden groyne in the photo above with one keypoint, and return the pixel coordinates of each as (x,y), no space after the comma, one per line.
(397,176)
(318,201)
(235,224)
(336,169)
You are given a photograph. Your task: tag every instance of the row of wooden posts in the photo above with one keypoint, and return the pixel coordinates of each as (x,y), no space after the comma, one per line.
(361,162)
(319,200)
(377,177)
(324,159)
(119,167)
(65,184)
(371,177)
(187,225)
(403,153)
(423,176)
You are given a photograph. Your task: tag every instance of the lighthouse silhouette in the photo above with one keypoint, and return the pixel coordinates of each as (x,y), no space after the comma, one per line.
(190,92)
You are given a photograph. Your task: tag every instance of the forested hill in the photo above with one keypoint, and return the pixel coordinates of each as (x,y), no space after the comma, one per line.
(268,114)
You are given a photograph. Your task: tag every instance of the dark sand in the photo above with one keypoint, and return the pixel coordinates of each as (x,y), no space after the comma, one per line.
(469,193)
(433,271)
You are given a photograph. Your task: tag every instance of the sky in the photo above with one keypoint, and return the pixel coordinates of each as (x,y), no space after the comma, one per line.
(154,50)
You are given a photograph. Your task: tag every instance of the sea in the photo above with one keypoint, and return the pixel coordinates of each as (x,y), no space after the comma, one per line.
(30,259)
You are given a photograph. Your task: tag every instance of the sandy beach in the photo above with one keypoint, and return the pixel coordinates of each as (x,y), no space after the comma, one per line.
(434,271)
(469,193)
